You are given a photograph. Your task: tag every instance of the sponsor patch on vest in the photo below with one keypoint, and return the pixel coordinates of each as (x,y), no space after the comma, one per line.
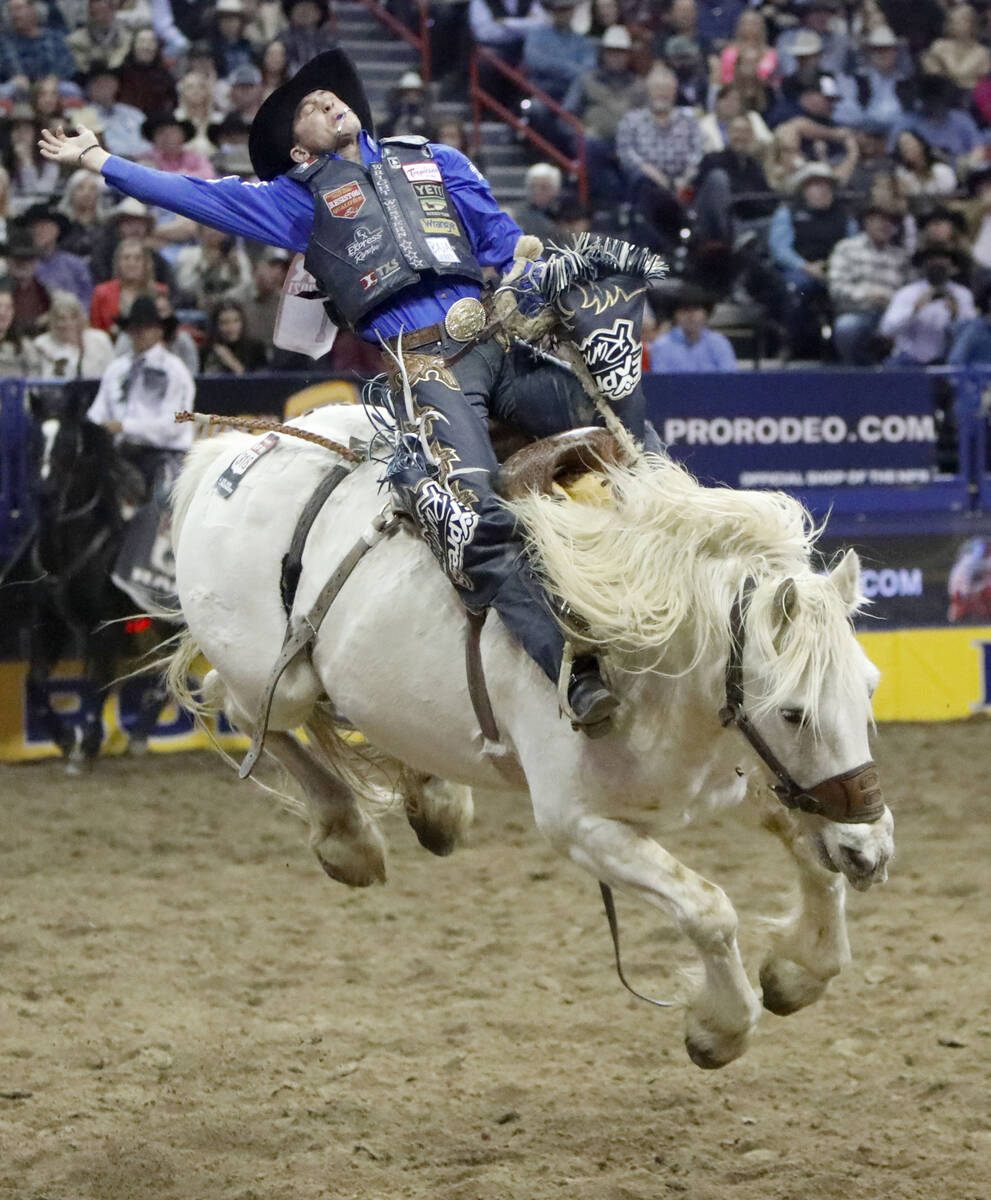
(420,171)
(379,274)
(439,225)
(345,201)
(366,241)
(227,483)
(428,189)
(430,205)
(442,249)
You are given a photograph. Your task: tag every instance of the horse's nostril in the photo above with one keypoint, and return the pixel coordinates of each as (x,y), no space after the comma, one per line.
(860,863)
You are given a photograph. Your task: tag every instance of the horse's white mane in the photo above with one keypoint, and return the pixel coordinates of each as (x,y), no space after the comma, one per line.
(669,556)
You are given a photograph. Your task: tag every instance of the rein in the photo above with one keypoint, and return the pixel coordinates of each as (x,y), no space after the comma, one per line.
(851,798)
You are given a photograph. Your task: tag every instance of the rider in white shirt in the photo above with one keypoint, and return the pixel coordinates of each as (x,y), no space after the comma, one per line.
(141,392)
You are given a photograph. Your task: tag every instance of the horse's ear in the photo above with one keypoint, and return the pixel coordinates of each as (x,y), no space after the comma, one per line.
(846,578)
(785,600)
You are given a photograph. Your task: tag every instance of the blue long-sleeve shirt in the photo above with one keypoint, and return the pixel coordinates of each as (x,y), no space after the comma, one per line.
(280,213)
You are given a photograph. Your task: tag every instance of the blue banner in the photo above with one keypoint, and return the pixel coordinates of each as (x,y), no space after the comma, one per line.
(798,430)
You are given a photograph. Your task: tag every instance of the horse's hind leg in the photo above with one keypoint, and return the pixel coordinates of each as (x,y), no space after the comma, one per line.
(346,841)
(439,813)
(721,1016)
(812,947)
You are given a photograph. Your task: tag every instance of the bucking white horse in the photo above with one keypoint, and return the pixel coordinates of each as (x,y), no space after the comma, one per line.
(710,615)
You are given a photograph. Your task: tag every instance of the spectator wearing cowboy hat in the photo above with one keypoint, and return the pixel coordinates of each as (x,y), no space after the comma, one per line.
(937,114)
(922,314)
(230,139)
(141,392)
(56,269)
(600,97)
(690,346)
(871,95)
(168,135)
(31,298)
(409,107)
(119,124)
(228,44)
(308,33)
(818,17)
(802,236)
(865,271)
(128,219)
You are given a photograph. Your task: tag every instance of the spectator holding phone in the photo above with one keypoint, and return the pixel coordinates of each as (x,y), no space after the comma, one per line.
(921,315)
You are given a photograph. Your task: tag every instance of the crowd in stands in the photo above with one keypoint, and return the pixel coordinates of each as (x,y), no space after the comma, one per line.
(174,85)
(823,165)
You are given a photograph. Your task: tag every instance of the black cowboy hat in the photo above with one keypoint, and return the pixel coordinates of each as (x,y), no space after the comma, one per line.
(45,212)
(143,312)
(19,243)
(158,121)
(959,258)
(233,125)
(691,296)
(271,130)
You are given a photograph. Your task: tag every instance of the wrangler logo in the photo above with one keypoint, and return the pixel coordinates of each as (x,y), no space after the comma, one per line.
(439,225)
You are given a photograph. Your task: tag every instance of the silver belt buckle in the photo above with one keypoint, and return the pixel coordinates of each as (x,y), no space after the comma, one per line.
(465,319)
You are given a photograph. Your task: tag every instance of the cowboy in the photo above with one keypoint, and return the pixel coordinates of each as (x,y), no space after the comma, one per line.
(397,233)
(142,390)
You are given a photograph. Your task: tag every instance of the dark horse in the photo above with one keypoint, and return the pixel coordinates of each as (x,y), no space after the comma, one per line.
(75,608)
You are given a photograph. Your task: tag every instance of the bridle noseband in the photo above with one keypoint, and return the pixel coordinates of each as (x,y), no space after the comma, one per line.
(853,798)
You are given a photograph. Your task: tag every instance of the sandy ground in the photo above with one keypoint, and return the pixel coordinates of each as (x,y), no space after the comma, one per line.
(189,1009)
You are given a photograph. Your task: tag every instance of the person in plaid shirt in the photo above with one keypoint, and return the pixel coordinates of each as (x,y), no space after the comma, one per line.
(29,51)
(659,148)
(865,271)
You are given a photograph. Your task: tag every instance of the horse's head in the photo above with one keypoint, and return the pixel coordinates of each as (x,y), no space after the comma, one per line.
(803,699)
(73,453)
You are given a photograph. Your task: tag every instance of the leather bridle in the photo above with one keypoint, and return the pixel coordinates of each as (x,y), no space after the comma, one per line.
(852,798)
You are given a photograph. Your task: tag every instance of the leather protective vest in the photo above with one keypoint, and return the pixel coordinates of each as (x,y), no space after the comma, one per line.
(817,231)
(380,228)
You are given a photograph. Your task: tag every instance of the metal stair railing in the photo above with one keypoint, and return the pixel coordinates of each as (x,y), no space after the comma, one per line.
(481,99)
(419,41)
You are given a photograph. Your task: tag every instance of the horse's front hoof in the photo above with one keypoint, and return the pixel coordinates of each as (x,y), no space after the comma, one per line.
(787,986)
(710,1051)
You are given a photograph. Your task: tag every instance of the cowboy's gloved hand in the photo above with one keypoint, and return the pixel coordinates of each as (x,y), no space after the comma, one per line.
(529,297)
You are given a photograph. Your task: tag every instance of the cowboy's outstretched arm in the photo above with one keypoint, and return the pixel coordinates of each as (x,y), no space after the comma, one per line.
(279,213)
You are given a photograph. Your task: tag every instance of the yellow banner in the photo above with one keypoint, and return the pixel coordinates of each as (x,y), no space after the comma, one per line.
(926,675)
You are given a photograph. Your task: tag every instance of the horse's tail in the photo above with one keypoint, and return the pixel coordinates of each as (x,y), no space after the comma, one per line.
(176,668)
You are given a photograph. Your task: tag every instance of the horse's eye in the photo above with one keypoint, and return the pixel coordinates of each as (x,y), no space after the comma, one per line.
(794,716)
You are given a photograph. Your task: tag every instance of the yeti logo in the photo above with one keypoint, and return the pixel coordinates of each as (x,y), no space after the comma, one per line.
(614,358)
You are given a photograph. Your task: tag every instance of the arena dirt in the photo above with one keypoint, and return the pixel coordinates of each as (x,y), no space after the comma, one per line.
(190,1010)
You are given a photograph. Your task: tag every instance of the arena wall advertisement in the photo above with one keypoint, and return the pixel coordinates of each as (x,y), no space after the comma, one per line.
(888,460)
